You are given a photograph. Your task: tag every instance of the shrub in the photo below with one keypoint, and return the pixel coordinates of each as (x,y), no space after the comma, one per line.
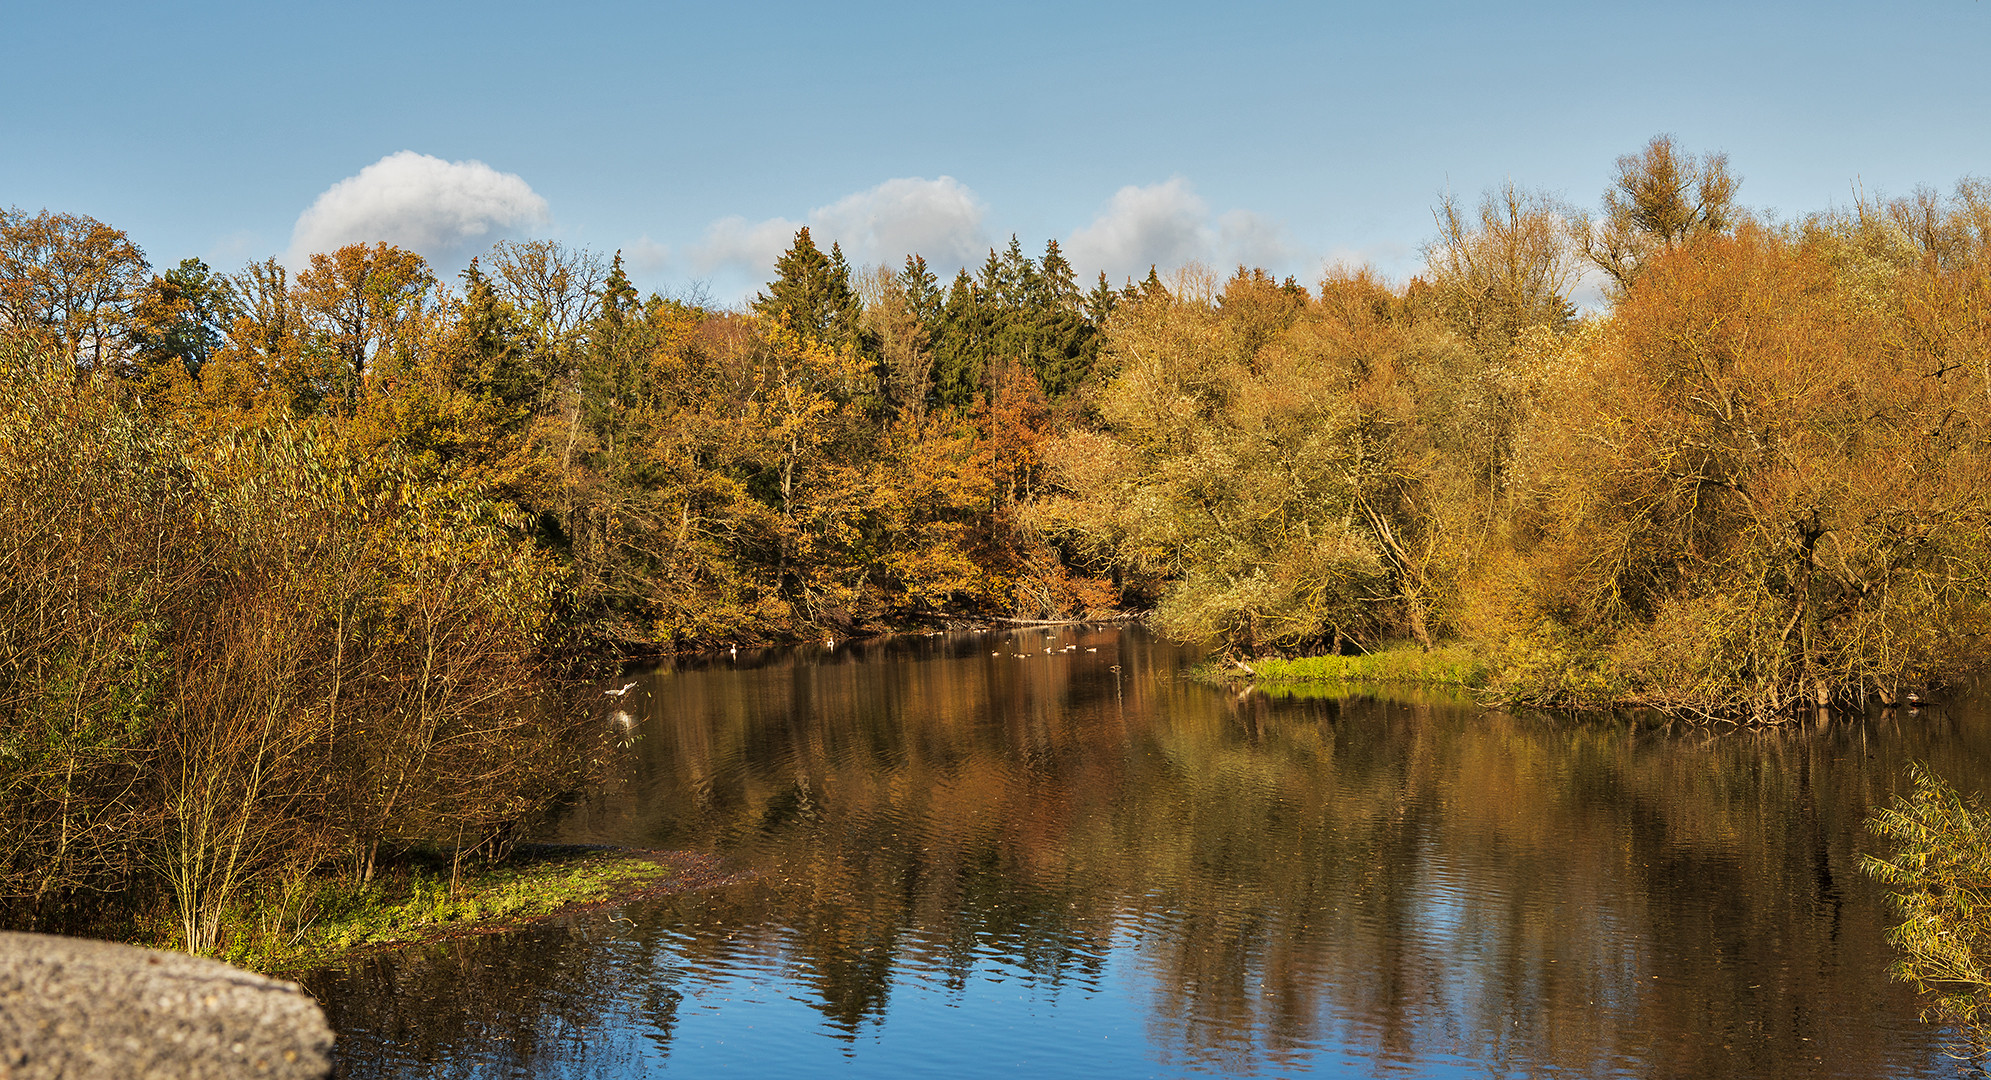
(1941,871)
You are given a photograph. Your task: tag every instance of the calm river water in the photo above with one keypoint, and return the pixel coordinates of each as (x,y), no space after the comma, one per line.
(975,857)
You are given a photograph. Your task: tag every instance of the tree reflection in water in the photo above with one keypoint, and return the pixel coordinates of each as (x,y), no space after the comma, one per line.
(972,860)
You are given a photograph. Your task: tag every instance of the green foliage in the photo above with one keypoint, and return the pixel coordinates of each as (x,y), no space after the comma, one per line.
(183,317)
(964,341)
(1016,310)
(287,927)
(1267,465)
(811,294)
(1940,871)
(1402,662)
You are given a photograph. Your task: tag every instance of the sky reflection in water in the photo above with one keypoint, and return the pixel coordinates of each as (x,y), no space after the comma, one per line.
(978,858)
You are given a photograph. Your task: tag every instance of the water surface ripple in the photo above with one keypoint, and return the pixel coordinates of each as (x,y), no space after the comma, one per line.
(977,857)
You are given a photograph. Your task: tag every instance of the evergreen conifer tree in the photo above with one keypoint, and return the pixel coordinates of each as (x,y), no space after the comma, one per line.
(1063,342)
(1100,302)
(960,352)
(1060,283)
(811,291)
(618,297)
(923,293)
(493,355)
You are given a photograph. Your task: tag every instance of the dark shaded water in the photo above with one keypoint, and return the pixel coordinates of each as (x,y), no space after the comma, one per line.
(1077,863)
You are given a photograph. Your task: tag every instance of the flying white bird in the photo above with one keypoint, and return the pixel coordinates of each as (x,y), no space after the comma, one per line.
(626,687)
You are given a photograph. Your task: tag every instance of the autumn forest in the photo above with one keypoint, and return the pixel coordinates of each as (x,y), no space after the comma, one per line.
(296,565)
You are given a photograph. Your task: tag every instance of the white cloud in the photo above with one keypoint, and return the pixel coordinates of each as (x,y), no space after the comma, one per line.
(1162,225)
(940,220)
(442,209)
(1247,238)
(646,256)
(1168,225)
(734,243)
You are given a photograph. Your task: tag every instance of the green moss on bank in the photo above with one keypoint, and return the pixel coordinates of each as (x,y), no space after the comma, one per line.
(1446,665)
(321,921)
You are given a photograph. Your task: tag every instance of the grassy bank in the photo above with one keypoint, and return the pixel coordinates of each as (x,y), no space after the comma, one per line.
(294,927)
(1447,665)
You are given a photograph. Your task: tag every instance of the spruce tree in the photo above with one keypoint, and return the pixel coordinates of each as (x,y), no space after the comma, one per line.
(493,355)
(1100,302)
(1060,283)
(811,293)
(992,282)
(1059,341)
(618,297)
(923,293)
(961,348)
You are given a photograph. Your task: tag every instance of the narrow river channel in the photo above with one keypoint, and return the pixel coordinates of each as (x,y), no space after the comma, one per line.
(1048,854)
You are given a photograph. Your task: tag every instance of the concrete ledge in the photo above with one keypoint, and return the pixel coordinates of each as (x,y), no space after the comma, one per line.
(84,1010)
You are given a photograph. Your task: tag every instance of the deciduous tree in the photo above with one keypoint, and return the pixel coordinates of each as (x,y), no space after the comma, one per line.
(73,278)
(1661,198)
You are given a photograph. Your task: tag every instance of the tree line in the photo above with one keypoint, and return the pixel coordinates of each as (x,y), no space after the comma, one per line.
(291,557)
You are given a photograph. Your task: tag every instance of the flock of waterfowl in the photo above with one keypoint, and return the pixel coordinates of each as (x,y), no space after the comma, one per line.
(1049,650)
(626,721)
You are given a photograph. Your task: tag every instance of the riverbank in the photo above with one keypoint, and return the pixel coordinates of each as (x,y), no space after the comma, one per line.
(1454,665)
(322,922)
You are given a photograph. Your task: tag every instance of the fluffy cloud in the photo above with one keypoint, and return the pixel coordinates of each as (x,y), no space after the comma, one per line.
(736,244)
(1168,225)
(646,256)
(442,209)
(940,220)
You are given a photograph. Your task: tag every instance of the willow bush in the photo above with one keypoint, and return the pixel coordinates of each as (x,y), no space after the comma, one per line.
(83,640)
(1940,869)
(237,652)
(1759,487)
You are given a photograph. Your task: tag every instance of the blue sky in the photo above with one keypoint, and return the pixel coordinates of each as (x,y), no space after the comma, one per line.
(694,137)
